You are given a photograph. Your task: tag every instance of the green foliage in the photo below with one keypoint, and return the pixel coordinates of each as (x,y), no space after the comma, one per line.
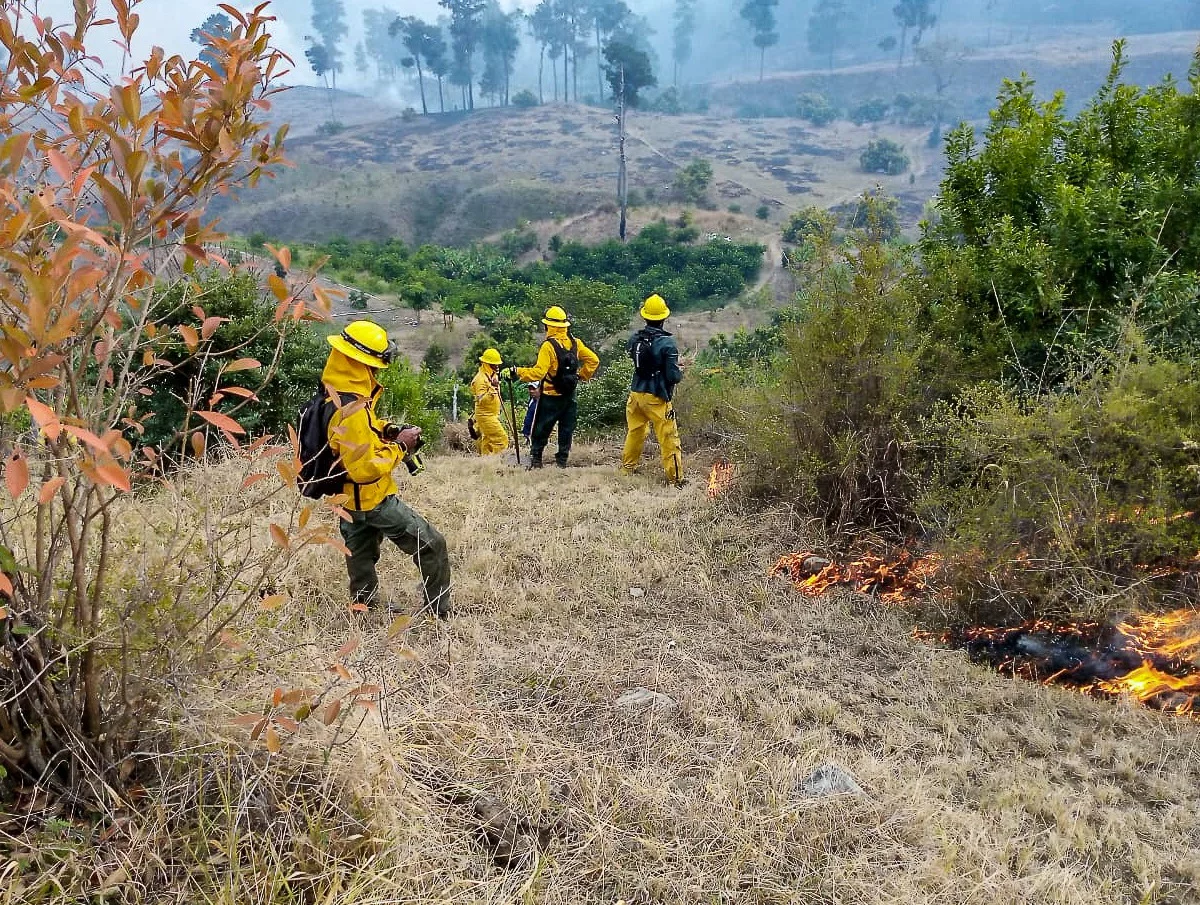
(763,212)
(876,214)
(406,398)
(357,299)
(808,224)
(668,102)
(1055,230)
(815,108)
(826,423)
(282,385)
(1068,499)
(517,242)
(257,240)
(692,182)
(602,399)
(597,309)
(872,110)
(329,128)
(882,155)
(525,98)
(624,60)
(437,356)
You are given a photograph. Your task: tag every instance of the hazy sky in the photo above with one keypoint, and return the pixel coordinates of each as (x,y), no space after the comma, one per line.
(169,24)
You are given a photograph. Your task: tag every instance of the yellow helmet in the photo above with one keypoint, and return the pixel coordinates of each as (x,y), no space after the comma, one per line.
(491,357)
(556,317)
(365,342)
(655,309)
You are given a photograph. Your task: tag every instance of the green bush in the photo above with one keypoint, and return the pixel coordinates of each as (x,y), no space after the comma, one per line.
(882,155)
(692,182)
(763,212)
(437,356)
(602,399)
(873,110)
(525,98)
(1061,505)
(406,398)
(808,224)
(250,331)
(815,108)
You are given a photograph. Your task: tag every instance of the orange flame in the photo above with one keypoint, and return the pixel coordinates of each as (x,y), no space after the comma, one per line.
(720,479)
(899,580)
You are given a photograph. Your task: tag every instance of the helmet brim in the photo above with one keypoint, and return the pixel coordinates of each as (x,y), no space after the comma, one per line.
(550,323)
(371,361)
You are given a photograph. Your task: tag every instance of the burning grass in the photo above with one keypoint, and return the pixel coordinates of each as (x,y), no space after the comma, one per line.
(1152,659)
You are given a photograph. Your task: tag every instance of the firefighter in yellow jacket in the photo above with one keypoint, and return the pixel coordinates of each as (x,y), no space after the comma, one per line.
(485,388)
(656,373)
(562,362)
(370,449)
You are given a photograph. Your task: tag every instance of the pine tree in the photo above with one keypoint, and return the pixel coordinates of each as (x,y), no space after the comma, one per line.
(760,14)
(685,28)
(329,21)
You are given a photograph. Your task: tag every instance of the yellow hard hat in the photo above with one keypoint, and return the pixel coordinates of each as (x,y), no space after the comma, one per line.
(365,342)
(491,357)
(655,309)
(556,317)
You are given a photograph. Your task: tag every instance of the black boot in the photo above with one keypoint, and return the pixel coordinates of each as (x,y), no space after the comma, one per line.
(535,463)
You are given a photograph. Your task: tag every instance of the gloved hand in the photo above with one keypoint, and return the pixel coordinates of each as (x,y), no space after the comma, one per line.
(409,437)
(509,373)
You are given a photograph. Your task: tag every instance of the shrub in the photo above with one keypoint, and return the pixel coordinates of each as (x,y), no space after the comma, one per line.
(437,356)
(406,398)
(735,208)
(525,98)
(869,111)
(602,399)
(330,128)
(815,108)
(763,212)
(1060,505)
(692,182)
(291,357)
(883,155)
(668,102)
(257,240)
(807,224)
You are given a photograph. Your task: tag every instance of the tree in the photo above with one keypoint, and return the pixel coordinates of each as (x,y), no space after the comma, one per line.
(466,22)
(542,27)
(883,155)
(1053,232)
(319,59)
(760,14)
(692,182)
(424,42)
(361,63)
(218,25)
(944,57)
(329,21)
(607,16)
(638,73)
(381,44)
(826,28)
(91,640)
(911,14)
(501,40)
(685,28)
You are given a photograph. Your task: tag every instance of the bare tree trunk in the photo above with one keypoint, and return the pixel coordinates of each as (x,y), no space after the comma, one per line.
(421,82)
(762,63)
(599,68)
(441,99)
(541,71)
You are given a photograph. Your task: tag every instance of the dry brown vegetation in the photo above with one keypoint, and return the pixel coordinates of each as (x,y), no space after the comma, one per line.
(978,789)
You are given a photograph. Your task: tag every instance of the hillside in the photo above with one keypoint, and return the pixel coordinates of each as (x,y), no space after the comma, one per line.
(453,179)
(574,588)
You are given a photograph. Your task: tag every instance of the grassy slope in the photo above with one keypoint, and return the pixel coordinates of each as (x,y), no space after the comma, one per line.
(981,789)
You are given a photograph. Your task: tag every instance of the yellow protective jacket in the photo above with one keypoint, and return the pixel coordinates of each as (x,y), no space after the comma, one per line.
(486,390)
(547,363)
(356,433)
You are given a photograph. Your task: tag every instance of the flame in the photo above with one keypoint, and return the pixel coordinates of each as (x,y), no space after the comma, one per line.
(1152,659)
(900,579)
(720,479)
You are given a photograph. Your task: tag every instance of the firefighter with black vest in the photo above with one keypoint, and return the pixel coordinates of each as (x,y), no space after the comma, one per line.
(562,362)
(656,373)
(369,449)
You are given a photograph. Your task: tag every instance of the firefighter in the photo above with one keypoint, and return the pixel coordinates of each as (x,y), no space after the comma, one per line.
(562,362)
(656,373)
(369,449)
(493,438)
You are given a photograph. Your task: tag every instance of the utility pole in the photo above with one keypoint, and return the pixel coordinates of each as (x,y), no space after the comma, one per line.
(622,182)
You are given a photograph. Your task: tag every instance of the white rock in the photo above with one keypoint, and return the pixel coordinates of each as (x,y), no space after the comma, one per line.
(637,592)
(828,780)
(642,698)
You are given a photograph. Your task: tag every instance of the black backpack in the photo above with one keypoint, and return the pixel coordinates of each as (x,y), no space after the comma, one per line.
(321,471)
(646,362)
(566,380)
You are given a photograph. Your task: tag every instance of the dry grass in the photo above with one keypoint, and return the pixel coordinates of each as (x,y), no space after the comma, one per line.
(979,789)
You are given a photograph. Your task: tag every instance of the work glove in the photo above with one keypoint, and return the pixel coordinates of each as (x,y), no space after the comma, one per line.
(509,374)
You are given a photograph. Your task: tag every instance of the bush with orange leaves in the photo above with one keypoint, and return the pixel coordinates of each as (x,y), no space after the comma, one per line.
(103,185)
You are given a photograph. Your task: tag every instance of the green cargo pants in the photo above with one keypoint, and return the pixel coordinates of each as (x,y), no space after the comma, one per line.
(395,521)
